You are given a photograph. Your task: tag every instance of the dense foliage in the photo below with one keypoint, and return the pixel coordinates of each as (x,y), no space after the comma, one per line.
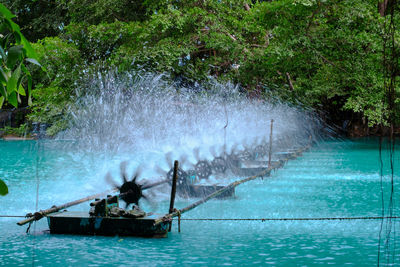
(15,52)
(326,54)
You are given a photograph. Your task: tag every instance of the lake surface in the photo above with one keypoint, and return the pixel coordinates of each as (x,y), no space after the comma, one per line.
(333,179)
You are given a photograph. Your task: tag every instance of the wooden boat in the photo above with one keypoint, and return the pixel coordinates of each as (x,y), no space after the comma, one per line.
(106,217)
(81,223)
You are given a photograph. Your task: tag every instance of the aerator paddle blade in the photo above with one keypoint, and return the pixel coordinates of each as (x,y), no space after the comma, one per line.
(196,153)
(168,159)
(130,191)
(109,179)
(213,151)
(160,171)
(122,169)
(182,160)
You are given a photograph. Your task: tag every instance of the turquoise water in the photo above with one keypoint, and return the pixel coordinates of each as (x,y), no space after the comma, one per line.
(333,179)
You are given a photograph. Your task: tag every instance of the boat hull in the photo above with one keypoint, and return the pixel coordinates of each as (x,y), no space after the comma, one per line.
(80,223)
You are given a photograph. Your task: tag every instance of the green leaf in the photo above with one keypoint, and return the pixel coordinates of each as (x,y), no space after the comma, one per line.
(3,76)
(15,28)
(4,40)
(17,31)
(3,28)
(13,81)
(18,98)
(29,89)
(33,61)
(6,13)
(11,60)
(3,188)
(12,99)
(29,77)
(30,52)
(21,90)
(2,53)
(15,53)
(25,70)
(17,36)
(3,90)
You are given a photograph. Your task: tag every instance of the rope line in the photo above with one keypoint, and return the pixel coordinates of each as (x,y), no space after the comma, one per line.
(12,216)
(290,219)
(266,219)
(38,151)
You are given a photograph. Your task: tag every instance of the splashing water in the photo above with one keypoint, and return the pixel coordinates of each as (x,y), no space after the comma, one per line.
(140,117)
(133,112)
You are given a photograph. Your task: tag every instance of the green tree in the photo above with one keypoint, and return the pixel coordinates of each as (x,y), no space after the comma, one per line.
(327,53)
(15,50)
(39,18)
(55,90)
(93,12)
(323,54)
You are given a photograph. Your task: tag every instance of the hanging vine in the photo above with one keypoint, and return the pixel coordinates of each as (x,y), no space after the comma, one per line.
(390,11)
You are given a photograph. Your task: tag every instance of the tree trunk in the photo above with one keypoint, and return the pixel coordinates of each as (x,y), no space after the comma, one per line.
(384,6)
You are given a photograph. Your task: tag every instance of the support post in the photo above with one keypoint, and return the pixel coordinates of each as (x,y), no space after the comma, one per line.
(173,190)
(270,145)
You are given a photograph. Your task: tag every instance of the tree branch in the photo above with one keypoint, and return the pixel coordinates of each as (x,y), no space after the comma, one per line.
(234,39)
(311,18)
(289,81)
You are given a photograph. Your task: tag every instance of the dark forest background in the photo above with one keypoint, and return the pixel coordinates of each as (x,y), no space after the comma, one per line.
(325,55)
